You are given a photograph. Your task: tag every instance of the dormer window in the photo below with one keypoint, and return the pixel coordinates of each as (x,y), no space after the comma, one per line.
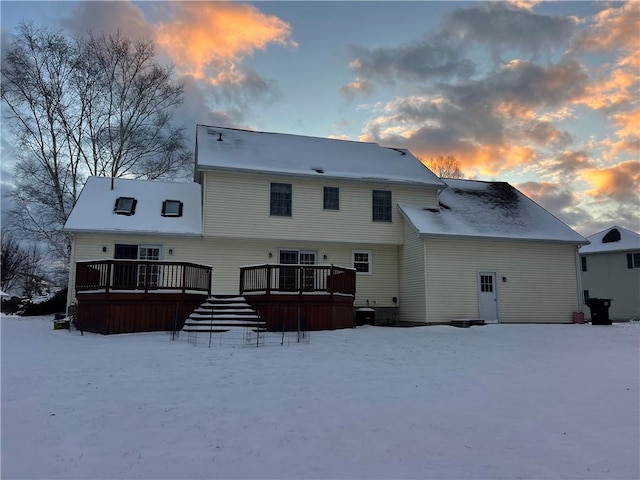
(172,208)
(125,206)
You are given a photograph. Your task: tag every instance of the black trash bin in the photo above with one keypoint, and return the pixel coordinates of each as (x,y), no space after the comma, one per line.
(365,316)
(599,310)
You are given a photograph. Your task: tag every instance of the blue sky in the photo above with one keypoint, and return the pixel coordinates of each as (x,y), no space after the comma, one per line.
(542,95)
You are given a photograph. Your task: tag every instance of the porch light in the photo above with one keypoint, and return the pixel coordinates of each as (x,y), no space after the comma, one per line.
(104,249)
(171,251)
(270,255)
(324,257)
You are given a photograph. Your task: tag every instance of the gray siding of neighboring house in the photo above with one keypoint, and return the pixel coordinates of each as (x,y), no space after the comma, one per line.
(608,276)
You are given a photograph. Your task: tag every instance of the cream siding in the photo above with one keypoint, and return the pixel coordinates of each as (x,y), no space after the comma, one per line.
(607,276)
(238,206)
(536,282)
(228,255)
(412,277)
(88,246)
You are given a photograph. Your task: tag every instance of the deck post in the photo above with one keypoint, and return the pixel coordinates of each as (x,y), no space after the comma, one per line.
(184,278)
(108,279)
(269,268)
(331,280)
(300,279)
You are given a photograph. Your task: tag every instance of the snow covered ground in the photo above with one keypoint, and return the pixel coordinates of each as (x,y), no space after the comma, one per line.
(499,401)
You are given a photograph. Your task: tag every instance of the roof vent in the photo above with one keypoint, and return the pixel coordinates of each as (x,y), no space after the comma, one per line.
(434,210)
(219,137)
(317,170)
(612,235)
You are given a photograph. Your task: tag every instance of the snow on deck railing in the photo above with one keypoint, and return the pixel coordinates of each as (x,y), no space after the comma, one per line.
(137,275)
(301,279)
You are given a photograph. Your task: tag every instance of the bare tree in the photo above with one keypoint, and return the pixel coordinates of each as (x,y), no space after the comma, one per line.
(13,261)
(128,100)
(95,105)
(36,73)
(32,274)
(21,265)
(445,167)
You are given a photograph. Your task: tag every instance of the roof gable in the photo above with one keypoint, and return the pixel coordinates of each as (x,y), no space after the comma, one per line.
(613,239)
(470,208)
(233,149)
(97,207)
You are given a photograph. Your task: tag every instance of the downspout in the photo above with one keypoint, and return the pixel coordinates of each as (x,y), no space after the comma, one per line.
(72,273)
(578,264)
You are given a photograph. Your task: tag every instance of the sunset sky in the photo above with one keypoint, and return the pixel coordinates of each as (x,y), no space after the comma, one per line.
(545,96)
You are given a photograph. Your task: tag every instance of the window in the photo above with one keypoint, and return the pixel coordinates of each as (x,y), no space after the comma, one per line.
(125,206)
(125,252)
(633,260)
(486,283)
(172,208)
(132,275)
(362,262)
(331,198)
(583,260)
(281,199)
(381,206)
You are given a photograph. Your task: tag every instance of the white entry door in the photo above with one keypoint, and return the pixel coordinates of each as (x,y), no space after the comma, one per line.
(488,297)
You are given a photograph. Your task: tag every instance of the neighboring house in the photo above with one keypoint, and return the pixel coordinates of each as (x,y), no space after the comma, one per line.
(610,267)
(316,223)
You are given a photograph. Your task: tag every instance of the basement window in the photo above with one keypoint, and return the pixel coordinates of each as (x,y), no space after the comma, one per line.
(125,206)
(172,208)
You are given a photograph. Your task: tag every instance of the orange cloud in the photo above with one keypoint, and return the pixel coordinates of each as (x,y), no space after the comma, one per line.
(620,181)
(205,34)
(628,123)
(486,161)
(613,28)
(618,89)
(357,87)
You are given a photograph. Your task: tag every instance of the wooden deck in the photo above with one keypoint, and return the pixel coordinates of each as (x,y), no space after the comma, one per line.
(125,296)
(300,297)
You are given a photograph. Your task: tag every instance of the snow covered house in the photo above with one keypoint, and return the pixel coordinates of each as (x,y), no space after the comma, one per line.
(320,229)
(610,267)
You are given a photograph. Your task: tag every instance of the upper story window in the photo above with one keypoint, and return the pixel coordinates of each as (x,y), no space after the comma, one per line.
(331,198)
(172,208)
(125,206)
(633,260)
(281,199)
(583,261)
(381,206)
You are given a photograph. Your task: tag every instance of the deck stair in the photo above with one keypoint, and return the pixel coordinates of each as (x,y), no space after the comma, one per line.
(224,313)
(225,320)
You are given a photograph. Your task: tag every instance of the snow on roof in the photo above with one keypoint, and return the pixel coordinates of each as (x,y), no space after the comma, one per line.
(623,239)
(94,210)
(472,208)
(227,148)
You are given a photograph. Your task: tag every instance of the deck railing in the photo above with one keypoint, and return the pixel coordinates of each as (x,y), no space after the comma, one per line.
(274,278)
(137,275)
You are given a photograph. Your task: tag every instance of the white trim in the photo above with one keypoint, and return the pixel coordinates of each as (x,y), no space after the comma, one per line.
(494,275)
(370,261)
